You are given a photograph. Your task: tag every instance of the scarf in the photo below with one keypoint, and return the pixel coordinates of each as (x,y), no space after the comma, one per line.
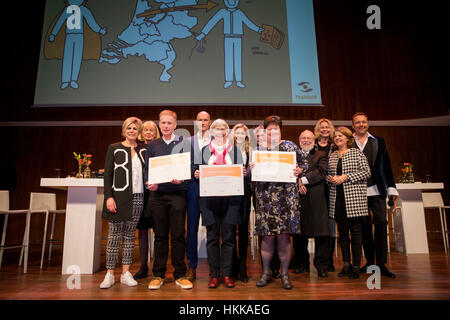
(220,157)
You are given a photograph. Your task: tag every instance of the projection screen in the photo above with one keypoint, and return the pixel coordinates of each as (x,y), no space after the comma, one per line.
(178,52)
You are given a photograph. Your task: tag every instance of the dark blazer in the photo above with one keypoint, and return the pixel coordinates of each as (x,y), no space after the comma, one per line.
(118,180)
(381,165)
(234,205)
(196,160)
(314,219)
(356,167)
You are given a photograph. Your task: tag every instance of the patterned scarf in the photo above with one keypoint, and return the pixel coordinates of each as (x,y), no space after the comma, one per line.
(220,157)
(304,161)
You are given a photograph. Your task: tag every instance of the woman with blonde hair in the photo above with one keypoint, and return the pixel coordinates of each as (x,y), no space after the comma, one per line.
(124,200)
(149,132)
(324,133)
(240,137)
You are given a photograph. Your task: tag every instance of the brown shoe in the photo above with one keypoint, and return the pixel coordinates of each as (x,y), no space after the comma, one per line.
(228,282)
(191,274)
(213,283)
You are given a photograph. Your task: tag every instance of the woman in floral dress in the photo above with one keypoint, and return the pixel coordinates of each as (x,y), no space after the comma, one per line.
(277,209)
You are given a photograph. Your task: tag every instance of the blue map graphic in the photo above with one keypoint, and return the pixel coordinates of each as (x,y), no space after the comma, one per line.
(151,38)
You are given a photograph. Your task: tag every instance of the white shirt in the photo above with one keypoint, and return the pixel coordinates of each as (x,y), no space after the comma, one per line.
(171,139)
(136,169)
(203,140)
(373,190)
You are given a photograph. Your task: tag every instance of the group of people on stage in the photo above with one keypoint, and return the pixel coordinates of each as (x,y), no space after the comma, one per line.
(341,176)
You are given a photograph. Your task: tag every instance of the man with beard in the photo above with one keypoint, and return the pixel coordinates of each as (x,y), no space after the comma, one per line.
(314,209)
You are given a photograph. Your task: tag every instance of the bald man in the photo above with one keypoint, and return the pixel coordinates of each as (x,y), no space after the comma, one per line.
(314,208)
(200,139)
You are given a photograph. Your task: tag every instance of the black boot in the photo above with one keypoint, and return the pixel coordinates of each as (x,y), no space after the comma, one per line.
(243,272)
(142,273)
(345,271)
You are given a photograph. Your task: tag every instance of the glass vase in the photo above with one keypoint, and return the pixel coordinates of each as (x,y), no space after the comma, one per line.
(410,177)
(87,172)
(79,174)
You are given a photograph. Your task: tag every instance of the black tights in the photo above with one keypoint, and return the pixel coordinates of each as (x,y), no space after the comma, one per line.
(283,245)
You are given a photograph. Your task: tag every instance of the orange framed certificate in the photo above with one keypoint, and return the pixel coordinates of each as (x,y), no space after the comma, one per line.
(167,168)
(221,180)
(274,166)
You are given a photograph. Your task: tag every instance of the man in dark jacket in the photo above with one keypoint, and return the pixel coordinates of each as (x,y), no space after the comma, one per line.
(168,203)
(380,185)
(200,139)
(314,209)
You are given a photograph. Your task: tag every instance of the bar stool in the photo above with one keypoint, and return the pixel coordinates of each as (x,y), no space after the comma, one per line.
(4,210)
(433,200)
(254,244)
(45,203)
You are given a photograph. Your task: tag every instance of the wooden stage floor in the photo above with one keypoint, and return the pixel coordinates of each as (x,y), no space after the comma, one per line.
(419,277)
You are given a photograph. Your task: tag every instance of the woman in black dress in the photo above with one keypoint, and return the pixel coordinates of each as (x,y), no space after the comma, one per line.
(324,133)
(124,200)
(148,133)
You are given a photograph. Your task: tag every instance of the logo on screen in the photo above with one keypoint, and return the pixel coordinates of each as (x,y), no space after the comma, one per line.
(304,86)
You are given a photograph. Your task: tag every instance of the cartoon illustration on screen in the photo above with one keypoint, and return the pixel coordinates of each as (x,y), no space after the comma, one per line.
(81,30)
(151,31)
(233,21)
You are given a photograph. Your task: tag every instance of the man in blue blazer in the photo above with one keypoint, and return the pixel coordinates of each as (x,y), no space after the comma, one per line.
(200,139)
(379,186)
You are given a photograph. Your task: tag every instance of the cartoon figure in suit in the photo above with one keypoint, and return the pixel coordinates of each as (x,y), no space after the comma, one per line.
(74,16)
(233,21)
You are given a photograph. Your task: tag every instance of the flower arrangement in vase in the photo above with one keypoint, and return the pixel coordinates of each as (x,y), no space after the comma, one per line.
(407,173)
(83,160)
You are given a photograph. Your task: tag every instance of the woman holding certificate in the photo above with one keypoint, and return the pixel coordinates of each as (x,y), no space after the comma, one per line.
(220,214)
(124,200)
(348,171)
(277,206)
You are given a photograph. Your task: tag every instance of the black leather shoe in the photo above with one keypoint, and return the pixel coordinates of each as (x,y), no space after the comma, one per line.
(243,272)
(286,282)
(322,273)
(354,273)
(301,269)
(345,271)
(264,280)
(142,273)
(385,272)
(364,269)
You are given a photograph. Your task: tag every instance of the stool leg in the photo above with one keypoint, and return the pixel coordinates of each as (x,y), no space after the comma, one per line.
(24,241)
(442,229)
(44,239)
(27,232)
(52,232)
(444,215)
(5,225)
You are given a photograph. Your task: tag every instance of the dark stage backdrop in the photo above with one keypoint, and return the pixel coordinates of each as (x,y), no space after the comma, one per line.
(397,72)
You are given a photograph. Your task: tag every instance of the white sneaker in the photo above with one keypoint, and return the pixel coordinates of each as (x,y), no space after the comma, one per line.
(108,282)
(128,279)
